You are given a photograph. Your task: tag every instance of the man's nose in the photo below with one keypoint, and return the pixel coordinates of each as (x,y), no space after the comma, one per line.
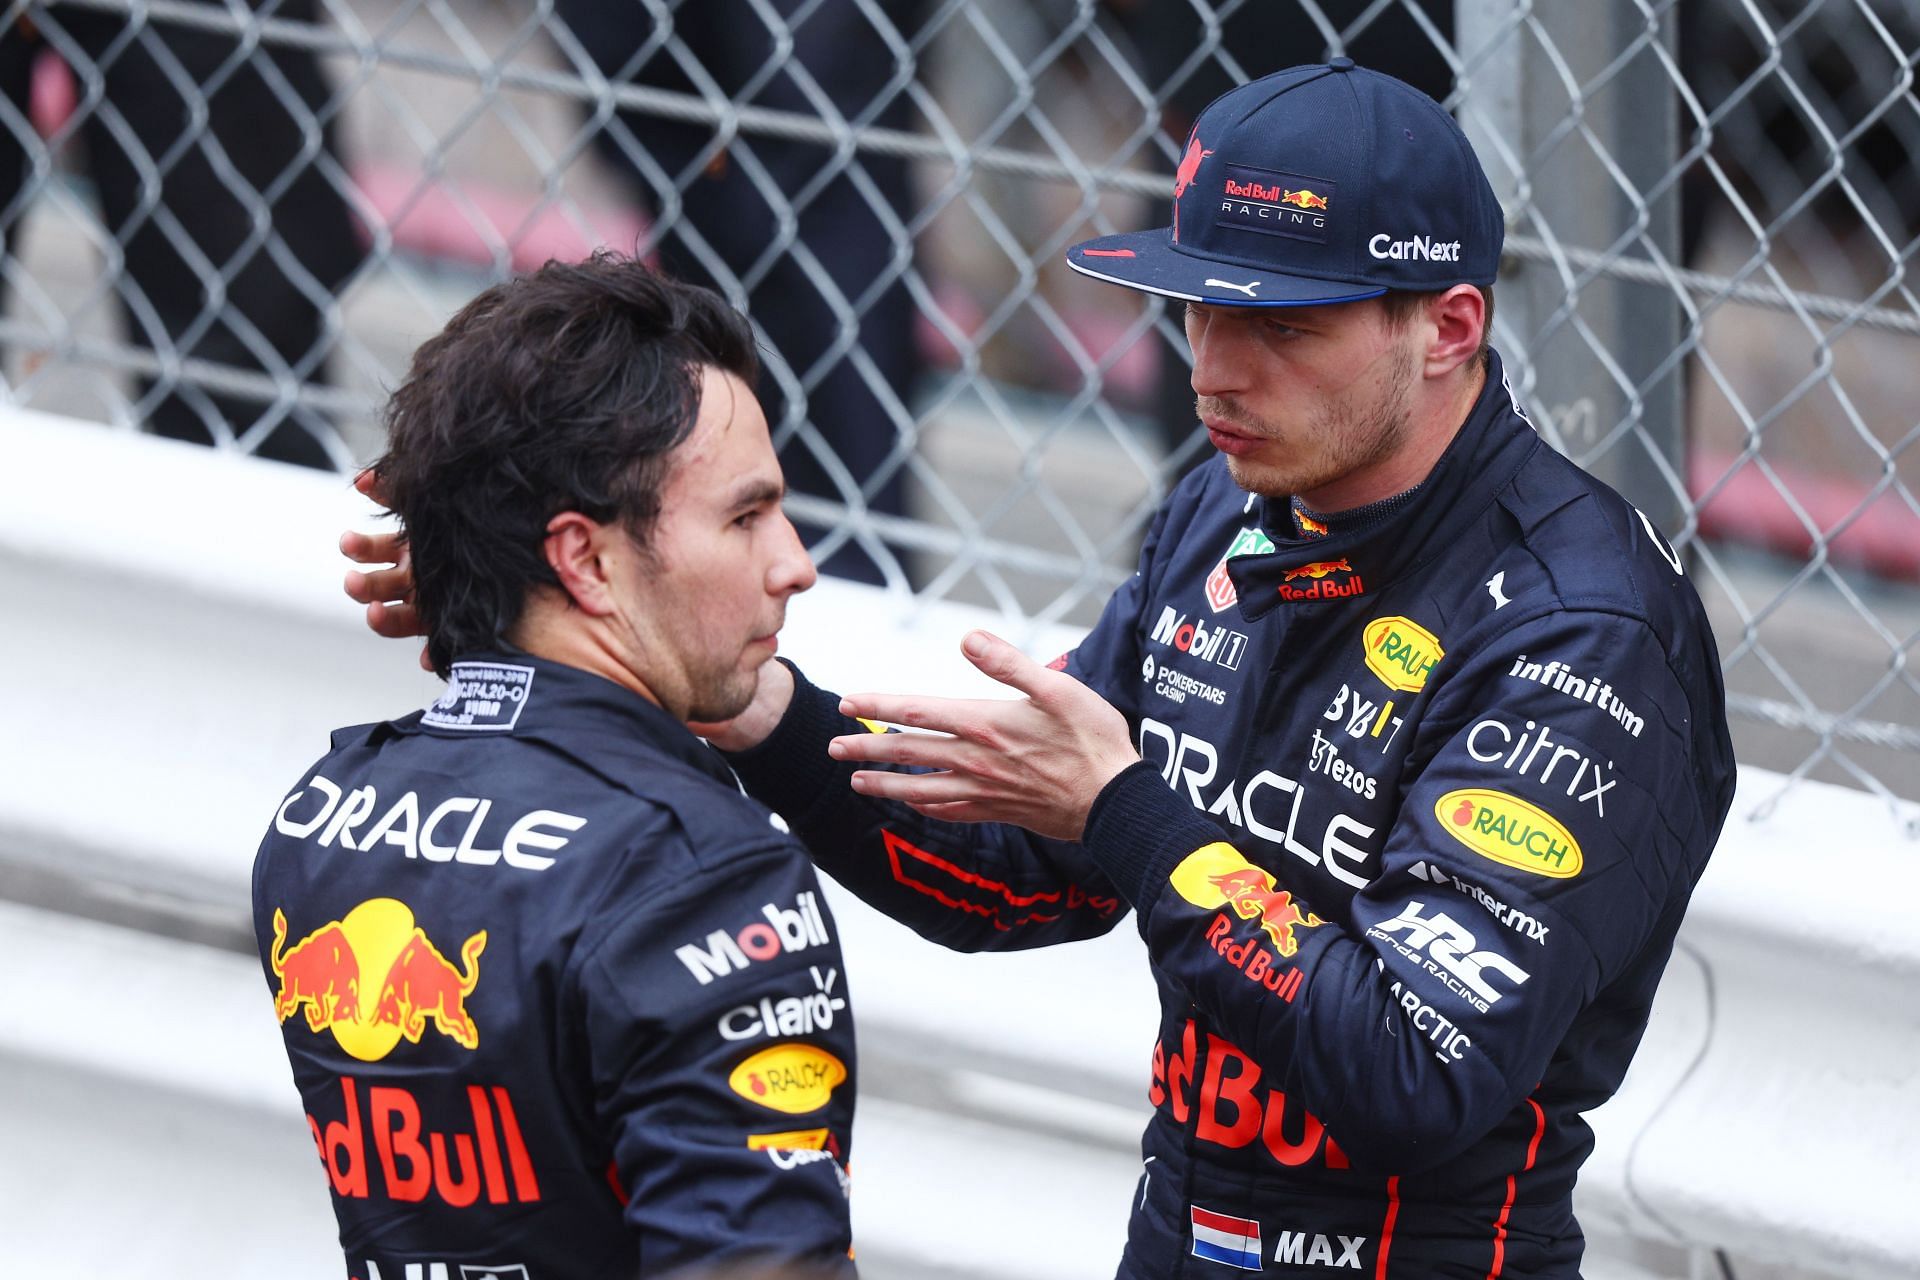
(792,570)
(1219,357)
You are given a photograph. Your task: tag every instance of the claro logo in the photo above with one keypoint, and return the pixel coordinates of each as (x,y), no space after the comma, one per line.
(1401,652)
(1509,831)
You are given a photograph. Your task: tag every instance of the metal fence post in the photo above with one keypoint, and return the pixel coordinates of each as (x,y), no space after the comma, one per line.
(1576,118)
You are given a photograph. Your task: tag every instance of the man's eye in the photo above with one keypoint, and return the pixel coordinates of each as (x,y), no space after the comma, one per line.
(1279,330)
(746,519)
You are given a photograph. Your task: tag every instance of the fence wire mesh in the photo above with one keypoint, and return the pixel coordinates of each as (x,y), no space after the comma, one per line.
(231,222)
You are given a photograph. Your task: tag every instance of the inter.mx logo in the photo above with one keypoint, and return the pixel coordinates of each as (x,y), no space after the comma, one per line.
(1195,638)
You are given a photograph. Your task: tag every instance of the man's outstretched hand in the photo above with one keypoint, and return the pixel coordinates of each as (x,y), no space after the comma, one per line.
(1038,762)
(386,590)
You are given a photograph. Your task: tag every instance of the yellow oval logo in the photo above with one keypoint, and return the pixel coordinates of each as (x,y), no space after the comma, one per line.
(794,1078)
(1401,652)
(1510,831)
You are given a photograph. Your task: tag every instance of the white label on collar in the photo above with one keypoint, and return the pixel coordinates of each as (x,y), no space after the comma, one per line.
(481,696)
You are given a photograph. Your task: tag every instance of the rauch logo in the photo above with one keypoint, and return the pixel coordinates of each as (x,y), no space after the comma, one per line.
(1510,831)
(1401,652)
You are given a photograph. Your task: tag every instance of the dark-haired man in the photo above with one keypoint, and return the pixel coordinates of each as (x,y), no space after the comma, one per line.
(1407,742)
(560,1001)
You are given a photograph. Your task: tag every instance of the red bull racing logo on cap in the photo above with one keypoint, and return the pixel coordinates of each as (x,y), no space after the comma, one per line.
(375,977)
(1275,204)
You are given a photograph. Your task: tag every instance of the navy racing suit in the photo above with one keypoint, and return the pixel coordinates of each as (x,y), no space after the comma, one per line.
(560,1001)
(1420,806)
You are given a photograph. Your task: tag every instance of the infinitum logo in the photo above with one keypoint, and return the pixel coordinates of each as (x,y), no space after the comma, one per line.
(1587,689)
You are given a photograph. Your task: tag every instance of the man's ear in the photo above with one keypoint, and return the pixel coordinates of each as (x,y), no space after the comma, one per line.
(1458,317)
(576,550)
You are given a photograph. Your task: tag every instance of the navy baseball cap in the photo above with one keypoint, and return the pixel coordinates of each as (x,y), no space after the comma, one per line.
(1312,185)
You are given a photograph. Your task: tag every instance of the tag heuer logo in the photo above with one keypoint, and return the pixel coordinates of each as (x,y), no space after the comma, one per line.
(1247,542)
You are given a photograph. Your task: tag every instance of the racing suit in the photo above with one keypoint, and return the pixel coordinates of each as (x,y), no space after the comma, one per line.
(1419,809)
(560,1001)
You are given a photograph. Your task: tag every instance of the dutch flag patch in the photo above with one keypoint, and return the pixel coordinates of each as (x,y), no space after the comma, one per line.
(1230,1241)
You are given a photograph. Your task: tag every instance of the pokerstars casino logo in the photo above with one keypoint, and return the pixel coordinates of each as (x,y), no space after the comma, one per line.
(1220,589)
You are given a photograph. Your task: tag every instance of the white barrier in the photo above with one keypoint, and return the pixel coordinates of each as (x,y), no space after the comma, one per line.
(176,647)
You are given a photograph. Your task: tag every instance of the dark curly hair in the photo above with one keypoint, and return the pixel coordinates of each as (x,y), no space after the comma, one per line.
(563,390)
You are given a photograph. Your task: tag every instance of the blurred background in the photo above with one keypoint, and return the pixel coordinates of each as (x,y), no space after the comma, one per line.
(228,224)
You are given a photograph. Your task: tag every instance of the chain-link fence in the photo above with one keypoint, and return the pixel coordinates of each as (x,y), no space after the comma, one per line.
(232,224)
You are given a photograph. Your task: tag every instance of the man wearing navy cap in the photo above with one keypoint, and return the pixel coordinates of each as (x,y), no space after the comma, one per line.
(1406,743)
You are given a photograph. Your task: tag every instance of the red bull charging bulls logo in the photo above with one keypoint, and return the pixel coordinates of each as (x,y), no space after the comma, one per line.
(1183,177)
(1219,875)
(375,977)
(1318,570)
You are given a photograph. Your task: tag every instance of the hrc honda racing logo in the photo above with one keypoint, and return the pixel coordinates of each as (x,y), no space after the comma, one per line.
(784,929)
(1450,953)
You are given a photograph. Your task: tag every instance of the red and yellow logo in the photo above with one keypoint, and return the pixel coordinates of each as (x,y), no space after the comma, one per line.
(1401,652)
(1318,570)
(1218,875)
(332,970)
(794,1078)
(1510,831)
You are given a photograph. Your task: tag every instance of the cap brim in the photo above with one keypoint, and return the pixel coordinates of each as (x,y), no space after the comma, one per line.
(1147,261)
